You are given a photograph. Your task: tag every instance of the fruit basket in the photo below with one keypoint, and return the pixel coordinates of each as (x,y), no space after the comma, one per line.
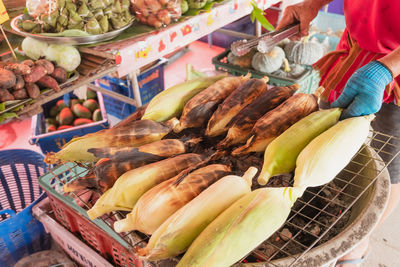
(52,141)
(308,81)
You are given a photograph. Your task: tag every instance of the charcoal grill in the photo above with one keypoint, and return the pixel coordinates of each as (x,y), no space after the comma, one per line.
(318,234)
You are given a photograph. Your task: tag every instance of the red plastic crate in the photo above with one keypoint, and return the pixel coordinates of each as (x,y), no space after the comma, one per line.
(94,236)
(98,234)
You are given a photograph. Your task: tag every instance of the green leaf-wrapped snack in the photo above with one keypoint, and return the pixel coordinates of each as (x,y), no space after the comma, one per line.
(93,26)
(63,18)
(104,24)
(83,10)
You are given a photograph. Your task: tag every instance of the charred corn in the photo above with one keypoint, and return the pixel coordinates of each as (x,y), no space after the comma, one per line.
(281,154)
(241,125)
(160,202)
(133,184)
(199,109)
(176,234)
(233,104)
(327,154)
(276,121)
(240,228)
(104,174)
(169,103)
(162,148)
(134,134)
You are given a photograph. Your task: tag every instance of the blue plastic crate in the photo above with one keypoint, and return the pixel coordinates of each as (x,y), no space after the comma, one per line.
(53,141)
(151,82)
(20,233)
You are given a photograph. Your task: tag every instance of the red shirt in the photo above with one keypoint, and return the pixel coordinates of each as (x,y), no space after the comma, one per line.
(374,24)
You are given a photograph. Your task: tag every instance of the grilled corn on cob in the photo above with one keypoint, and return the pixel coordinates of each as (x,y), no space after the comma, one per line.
(133,184)
(276,121)
(169,103)
(160,202)
(327,154)
(104,174)
(176,234)
(200,108)
(233,104)
(281,154)
(241,125)
(240,228)
(133,134)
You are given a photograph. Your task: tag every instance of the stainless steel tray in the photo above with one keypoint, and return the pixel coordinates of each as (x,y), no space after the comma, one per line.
(78,40)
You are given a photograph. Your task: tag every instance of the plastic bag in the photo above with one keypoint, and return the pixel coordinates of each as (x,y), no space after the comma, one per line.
(157,13)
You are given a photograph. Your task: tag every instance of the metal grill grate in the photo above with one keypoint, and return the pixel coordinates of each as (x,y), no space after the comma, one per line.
(311,218)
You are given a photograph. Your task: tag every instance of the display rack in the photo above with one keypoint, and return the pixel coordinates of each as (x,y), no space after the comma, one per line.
(128,56)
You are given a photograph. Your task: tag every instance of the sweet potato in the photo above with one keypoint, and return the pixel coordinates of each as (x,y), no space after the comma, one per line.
(20,94)
(60,74)
(33,90)
(18,68)
(48,82)
(5,95)
(28,62)
(20,83)
(7,79)
(46,64)
(37,72)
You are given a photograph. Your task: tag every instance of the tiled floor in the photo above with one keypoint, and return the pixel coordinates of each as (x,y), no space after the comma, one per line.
(385,242)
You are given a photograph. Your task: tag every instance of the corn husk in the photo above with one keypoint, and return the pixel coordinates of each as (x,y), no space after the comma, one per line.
(199,109)
(233,104)
(160,202)
(241,228)
(169,103)
(133,184)
(133,134)
(281,154)
(176,234)
(327,154)
(241,125)
(121,160)
(276,121)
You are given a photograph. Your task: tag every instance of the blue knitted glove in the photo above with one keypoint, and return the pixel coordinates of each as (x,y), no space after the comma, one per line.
(363,92)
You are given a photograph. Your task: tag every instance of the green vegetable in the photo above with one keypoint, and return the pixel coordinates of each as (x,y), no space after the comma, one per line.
(258,14)
(34,48)
(184,6)
(66,56)
(197,3)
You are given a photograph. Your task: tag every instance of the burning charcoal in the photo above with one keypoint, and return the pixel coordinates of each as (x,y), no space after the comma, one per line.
(268,250)
(315,230)
(285,234)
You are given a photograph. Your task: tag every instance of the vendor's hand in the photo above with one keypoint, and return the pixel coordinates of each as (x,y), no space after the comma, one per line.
(363,92)
(303,12)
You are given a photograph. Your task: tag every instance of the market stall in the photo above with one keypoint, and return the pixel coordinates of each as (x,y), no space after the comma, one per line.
(232,168)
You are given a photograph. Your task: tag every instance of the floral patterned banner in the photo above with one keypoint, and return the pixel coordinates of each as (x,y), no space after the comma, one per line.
(132,55)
